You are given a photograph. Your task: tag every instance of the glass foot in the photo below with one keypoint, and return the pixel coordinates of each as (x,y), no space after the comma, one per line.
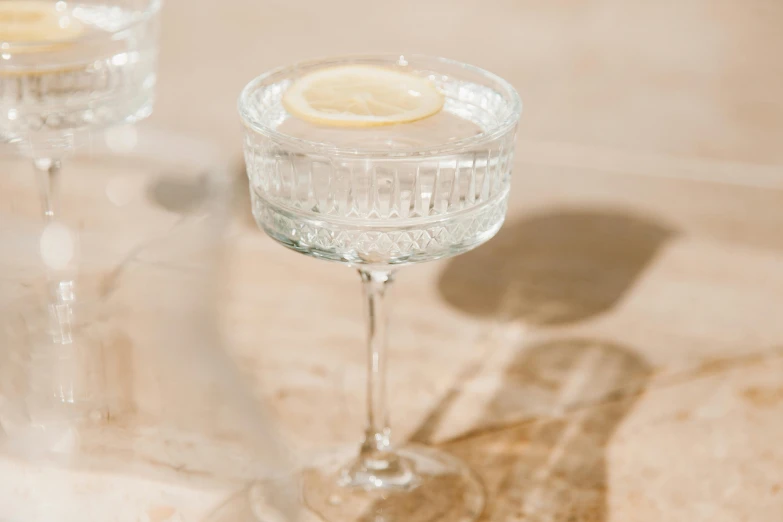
(425,484)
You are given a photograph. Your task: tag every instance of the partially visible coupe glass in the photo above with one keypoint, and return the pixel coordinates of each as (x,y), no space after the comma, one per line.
(69,69)
(358,160)
(70,66)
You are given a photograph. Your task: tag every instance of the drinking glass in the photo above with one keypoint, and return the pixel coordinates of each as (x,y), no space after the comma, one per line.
(377,199)
(67,69)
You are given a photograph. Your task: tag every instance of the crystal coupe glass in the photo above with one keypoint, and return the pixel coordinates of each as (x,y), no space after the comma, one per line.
(377,198)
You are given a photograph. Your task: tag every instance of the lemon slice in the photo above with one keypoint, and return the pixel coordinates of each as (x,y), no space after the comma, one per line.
(362,96)
(37,22)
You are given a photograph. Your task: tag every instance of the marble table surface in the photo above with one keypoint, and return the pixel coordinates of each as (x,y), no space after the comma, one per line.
(616,352)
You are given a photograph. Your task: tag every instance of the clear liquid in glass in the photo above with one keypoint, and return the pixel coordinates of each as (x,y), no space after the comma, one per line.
(369,199)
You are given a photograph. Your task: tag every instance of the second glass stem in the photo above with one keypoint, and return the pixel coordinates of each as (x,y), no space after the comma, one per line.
(61,286)
(48,171)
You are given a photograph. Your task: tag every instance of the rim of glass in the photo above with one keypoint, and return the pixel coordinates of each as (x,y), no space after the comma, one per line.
(508,122)
(142,16)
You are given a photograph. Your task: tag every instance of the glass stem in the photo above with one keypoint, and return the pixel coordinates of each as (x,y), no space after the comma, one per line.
(377,466)
(48,172)
(376,446)
(61,287)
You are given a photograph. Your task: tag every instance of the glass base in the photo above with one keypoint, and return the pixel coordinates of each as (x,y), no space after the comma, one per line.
(428,485)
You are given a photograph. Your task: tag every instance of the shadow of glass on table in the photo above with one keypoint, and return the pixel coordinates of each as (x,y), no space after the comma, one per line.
(554,268)
(551,467)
